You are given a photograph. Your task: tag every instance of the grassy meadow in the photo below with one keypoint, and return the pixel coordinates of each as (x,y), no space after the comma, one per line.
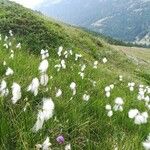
(84,123)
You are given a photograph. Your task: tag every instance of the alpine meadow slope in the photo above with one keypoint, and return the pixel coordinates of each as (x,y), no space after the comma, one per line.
(63,88)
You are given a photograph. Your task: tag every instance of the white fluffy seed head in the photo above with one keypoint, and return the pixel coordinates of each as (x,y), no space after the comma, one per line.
(132,113)
(43,66)
(119,101)
(108,107)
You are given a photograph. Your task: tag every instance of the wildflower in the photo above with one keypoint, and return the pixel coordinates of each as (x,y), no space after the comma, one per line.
(44,54)
(109,110)
(63,64)
(66,54)
(45,146)
(10,33)
(44,79)
(6,46)
(58,66)
(60,139)
(3,88)
(25,107)
(16,92)
(4,63)
(112,86)
(132,113)
(6,38)
(59,93)
(9,71)
(9,44)
(73,87)
(86,97)
(95,64)
(18,46)
(118,104)
(43,66)
(83,67)
(146,144)
(68,147)
(70,52)
(77,56)
(104,60)
(33,87)
(81,74)
(45,114)
(120,78)
(108,90)
(131,86)
(60,49)
(139,118)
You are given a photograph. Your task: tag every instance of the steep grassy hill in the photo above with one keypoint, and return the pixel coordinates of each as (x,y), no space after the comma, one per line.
(81,121)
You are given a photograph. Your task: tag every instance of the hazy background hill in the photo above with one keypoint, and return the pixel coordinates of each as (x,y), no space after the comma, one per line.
(127,20)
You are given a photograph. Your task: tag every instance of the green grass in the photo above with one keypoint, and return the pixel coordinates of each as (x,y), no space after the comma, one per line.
(83,124)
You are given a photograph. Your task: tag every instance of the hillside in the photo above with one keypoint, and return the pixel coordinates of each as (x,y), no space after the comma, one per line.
(126,20)
(79,96)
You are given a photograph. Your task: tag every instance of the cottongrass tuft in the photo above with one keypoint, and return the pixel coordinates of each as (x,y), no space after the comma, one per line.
(45,146)
(44,114)
(16,92)
(34,86)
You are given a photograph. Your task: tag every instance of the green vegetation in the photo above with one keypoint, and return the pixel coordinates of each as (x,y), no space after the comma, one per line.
(84,124)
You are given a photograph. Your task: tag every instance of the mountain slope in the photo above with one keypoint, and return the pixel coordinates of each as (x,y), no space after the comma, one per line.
(81,118)
(125,20)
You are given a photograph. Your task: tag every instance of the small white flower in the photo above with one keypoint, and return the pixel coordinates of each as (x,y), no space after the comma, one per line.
(112,86)
(9,72)
(6,38)
(131,86)
(109,110)
(110,113)
(132,113)
(10,32)
(107,94)
(107,89)
(104,60)
(44,54)
(68,147)
(77,56)
(16,92)
(83,67)
(60,49)
(120,77)
(86,97)
(146,144)
(63,64)
(119,101)
(81,75)
(18,46)
(4,63)
(73,87)
(6,46)
(108,107)
(33,87)
(59,93)
(58,66)
(95,64)
(3,88)
(46,144)
(118,104)
(43,66)
(44,79)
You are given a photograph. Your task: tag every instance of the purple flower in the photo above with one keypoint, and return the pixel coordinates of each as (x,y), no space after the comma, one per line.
(60,139)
